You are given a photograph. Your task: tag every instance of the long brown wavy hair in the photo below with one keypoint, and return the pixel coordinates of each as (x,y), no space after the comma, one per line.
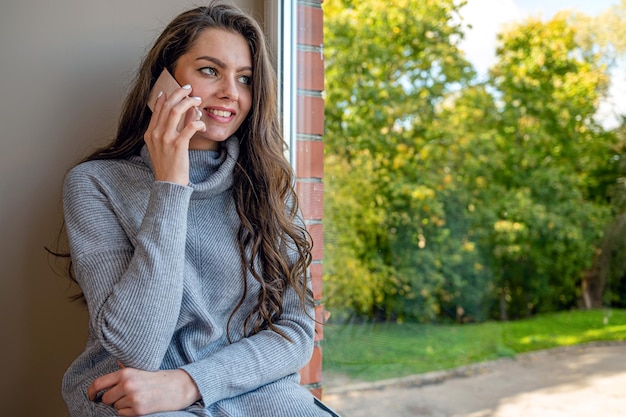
(263,179)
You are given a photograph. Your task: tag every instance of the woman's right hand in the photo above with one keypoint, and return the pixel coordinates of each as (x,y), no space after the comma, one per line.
(133,392)
(169,148)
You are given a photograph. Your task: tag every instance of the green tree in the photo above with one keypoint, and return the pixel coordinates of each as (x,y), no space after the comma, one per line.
(390,253)
(538,213)
(604,283)
(605,33)
(451,199)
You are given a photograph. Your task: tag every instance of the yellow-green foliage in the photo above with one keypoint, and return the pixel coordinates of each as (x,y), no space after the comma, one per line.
(451,198)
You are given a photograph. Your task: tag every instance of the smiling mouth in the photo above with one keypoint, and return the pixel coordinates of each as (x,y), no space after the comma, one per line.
(220,113)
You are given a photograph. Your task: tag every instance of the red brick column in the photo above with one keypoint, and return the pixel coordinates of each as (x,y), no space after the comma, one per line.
(310,159)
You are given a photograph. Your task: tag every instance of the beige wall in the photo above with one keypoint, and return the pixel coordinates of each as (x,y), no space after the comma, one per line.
(64,69)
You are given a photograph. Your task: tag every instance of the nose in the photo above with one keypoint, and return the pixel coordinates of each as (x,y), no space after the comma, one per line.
(228,89)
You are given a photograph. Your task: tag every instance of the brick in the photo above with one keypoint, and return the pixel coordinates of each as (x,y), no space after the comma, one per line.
(316,232)
(317,392)
(310,25)
(311,197)
(310,70)
(316,280)
(310,156)
(320,319)
(310,115)
(312,372)
(310,159)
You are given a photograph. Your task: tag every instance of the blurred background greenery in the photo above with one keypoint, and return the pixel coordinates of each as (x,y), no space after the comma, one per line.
(468,217)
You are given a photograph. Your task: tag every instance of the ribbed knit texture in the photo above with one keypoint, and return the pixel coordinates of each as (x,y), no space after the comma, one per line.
(161,272)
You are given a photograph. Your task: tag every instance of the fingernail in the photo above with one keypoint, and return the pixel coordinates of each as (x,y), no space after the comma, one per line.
(160,94)
(196,98)
(187,87)
(199,113)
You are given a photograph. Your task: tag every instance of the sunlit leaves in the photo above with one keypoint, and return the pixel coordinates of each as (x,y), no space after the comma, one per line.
(536,215)
(452,199)
(388,66)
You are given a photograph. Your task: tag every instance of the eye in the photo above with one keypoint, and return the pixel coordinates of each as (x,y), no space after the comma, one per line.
(245,79)
(208,71)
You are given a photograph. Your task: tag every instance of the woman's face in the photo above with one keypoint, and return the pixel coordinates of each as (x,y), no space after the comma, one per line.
(218,66)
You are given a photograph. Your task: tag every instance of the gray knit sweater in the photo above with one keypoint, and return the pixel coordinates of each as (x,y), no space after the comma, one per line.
(160,269)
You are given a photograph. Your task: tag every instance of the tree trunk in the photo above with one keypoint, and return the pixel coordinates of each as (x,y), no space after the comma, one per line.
(593,283)
(594,279)
(503,314)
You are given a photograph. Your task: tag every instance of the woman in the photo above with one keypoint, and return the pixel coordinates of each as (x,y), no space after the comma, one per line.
(187,243)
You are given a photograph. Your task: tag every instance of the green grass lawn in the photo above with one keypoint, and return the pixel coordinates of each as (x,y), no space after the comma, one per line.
(378,351)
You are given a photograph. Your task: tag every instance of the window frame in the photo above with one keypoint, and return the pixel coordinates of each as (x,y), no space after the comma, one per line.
(281,28)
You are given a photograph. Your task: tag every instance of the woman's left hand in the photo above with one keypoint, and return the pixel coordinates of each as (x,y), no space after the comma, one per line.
(136,393)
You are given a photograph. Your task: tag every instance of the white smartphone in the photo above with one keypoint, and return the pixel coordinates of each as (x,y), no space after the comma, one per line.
(168,84)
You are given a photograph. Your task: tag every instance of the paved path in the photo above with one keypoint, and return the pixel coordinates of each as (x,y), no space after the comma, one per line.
(580,381)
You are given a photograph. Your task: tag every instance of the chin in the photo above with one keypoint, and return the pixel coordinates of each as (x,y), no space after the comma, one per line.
(216,136)
(206,141)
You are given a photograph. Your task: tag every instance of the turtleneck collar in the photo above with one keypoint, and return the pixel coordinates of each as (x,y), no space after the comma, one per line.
(210,172)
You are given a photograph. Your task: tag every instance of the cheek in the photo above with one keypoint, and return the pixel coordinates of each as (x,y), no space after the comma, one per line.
(182,74)
(246,103)
(199,91)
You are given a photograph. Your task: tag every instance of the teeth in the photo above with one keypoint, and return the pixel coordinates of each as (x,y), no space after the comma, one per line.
(220,113)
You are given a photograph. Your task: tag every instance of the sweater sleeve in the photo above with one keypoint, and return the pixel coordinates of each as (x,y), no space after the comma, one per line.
(133,291)
(260,359)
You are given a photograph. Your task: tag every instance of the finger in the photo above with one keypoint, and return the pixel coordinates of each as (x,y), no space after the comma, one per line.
(114,395)
(126,412)
(151,131)
(179,114)
(194,113)
(100,384)
(158,105)
(125,406)
(180,93)
(173,98)
(189,130)
(163,106)
(120,364)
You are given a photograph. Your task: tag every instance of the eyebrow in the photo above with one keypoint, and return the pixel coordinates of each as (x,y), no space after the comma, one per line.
(220,63)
